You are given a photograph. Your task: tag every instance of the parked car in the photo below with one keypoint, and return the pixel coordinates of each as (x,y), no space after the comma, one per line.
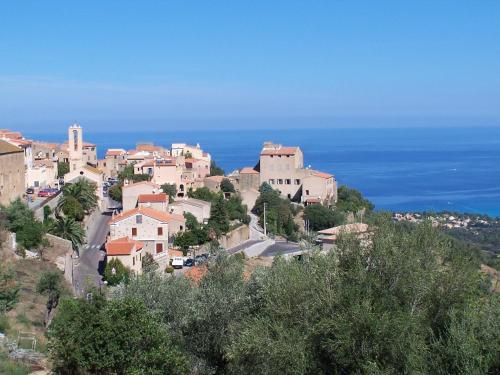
(177,262)
(189,262)
(30,191)
(44,193)
(47,192)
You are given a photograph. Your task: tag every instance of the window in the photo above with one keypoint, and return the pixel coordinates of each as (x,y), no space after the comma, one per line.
(271,181)
(160,231)
(138,219)
(134,231)
(280,181)
(133,261)
(159,248)
(75,139)
(307,192)
(297,181)
(288,181)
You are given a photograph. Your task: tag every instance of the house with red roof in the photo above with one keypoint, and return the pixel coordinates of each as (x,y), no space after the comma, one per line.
(127,251)
(153,228)
(158,201)
(132,191)
(282,167)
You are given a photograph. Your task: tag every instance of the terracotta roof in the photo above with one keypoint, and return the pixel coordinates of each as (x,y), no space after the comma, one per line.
(21,142)
(45,144)
(279,151)
(10,134)
(122,246)
(155,214)
(146,147)
(8,148)
(321,174)
(248,170)
(115,152)
(148,198)
(215,178)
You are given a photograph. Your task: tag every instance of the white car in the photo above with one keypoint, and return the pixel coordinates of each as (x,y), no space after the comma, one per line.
(177,262)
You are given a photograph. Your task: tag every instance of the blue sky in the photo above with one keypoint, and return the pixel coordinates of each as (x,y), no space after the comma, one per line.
(137,64)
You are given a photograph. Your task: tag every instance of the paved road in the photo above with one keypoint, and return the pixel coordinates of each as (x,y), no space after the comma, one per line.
(89,266)
(280,247)
(256,231)
(243,246)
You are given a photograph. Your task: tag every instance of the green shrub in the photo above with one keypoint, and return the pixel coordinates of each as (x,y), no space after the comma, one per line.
(240,256)
(4,323)
(169,269)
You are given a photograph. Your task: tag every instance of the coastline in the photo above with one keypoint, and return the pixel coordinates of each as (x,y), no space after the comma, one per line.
(445,169)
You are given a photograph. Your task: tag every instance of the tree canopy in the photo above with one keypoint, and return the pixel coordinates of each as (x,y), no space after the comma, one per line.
(227,186)
(21,220)
(78,198)
(279,212)
(321,217)
(215,170)
(351,200)
(111,337)
(115,272)
(407,299)
(170,190)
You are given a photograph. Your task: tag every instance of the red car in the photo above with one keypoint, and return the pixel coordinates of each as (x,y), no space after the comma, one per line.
(44,193)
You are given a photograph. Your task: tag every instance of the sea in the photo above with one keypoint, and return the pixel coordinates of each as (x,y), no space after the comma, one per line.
(398,169)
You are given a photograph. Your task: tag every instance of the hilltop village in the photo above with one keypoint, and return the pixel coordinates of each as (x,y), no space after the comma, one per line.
(154,260)
(151,199)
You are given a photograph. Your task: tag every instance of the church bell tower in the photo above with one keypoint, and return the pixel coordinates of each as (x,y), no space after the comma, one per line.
(75,147)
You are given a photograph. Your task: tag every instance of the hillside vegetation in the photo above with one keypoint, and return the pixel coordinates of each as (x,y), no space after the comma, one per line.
(410,300)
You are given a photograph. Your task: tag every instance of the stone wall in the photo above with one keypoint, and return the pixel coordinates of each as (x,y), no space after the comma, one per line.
(235,237)
(51,202)
(64,262)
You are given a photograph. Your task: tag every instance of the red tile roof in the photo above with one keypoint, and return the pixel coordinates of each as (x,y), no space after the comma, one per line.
(115,152)
(279,151)
(248,170)
(321,174)
(149,148)
(149,198)
(155,214)
(123,246)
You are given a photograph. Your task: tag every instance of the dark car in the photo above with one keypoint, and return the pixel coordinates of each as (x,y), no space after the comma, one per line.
(189,263)
(30,191)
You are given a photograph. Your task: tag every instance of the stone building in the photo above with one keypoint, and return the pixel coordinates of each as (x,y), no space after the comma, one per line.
(283,168)
(151,227)
(128,251)
(12,172)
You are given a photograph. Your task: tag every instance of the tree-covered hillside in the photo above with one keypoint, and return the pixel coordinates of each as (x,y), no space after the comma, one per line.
(409,300)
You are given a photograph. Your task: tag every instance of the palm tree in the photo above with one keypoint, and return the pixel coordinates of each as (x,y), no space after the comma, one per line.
(69,229)
(82,191)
